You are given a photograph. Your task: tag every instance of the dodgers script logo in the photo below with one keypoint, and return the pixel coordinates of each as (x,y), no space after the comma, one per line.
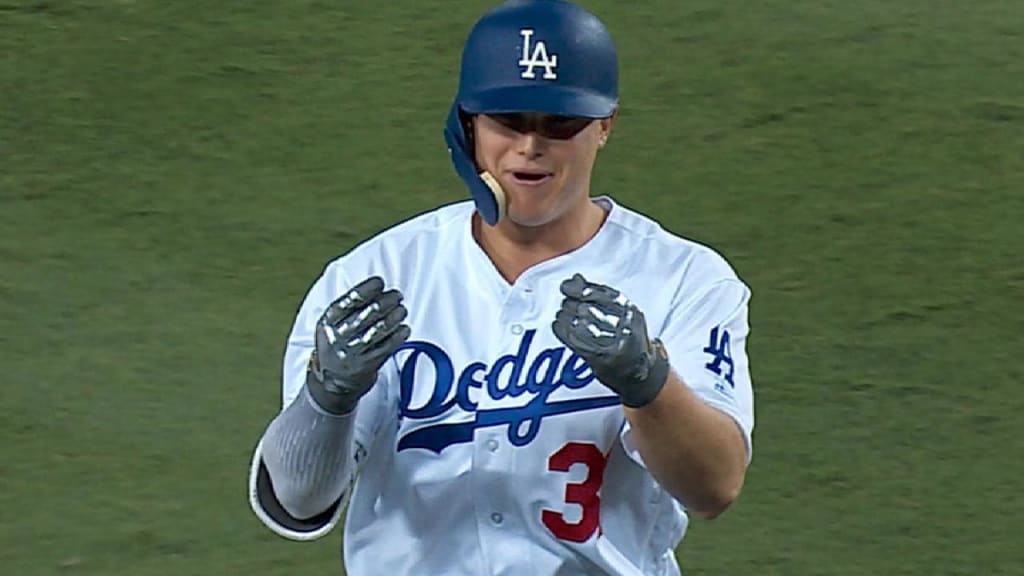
(509,376)
(539,57)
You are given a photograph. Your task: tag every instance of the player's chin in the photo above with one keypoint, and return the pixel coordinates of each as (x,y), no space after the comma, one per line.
(532,214)
(534,202)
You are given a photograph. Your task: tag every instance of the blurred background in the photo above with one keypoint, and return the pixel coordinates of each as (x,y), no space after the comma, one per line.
(174,175)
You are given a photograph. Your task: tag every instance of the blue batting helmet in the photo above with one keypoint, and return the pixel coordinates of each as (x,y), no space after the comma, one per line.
(546,56)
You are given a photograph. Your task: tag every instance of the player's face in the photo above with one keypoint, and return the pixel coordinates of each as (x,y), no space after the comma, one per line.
(542,161)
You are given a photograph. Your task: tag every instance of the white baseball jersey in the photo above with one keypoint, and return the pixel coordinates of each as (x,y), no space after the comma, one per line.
(487,447)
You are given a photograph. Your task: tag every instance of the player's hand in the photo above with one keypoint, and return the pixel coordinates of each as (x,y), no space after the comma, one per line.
(355,336)
(610,333)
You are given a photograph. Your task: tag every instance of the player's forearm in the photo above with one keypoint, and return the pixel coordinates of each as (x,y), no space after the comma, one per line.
(695,452)
(307,452)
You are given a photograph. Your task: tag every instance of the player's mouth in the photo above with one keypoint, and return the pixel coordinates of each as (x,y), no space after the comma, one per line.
(529,177)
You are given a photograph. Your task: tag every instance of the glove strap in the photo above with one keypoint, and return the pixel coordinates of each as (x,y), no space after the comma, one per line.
(336,401)
(644,391)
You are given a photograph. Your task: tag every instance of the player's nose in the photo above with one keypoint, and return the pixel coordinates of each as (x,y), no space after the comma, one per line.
(530,145)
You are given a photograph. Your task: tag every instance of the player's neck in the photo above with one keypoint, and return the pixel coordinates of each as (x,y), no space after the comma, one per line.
(514,249)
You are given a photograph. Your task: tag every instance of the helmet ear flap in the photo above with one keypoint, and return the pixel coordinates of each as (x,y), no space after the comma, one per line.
(489,197)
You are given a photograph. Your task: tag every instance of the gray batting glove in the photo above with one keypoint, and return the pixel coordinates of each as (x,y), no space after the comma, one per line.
(608,331)
(354,337)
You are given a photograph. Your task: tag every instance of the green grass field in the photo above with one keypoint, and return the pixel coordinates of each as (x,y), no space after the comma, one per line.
(173,175)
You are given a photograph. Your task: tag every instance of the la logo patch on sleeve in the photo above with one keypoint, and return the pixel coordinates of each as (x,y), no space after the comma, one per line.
(721,363)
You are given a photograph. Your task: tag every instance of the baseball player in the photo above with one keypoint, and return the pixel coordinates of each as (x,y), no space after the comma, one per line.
(530,382)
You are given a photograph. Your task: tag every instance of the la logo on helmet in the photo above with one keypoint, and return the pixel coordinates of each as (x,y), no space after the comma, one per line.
(538,57)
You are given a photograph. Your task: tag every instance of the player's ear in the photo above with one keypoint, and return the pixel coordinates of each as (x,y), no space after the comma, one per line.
(606,125)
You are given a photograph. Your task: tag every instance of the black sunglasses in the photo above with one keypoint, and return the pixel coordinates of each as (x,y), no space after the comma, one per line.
(550,126)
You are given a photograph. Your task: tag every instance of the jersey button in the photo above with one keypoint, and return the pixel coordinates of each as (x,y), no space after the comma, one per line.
(517,329)
(497,518)
(492,445)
